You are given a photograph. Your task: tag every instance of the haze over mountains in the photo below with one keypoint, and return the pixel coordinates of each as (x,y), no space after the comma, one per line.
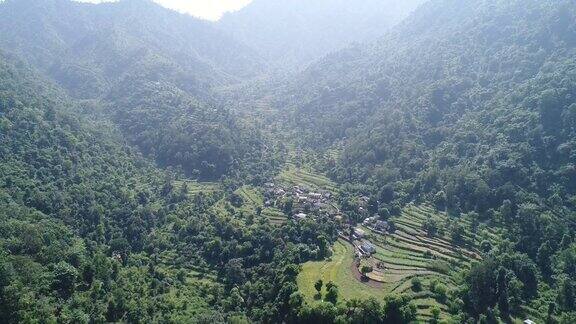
(142,152)
(291,34)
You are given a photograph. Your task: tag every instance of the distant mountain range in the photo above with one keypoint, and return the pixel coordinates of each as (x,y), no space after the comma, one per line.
(292,33)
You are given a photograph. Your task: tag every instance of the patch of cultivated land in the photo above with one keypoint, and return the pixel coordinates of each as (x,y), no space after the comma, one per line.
(406,254)
(195,187)
(252,200)
(337,269)
(300,177)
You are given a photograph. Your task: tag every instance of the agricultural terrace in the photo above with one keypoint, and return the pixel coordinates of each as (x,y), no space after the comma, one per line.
(251,201)
(294,176)
(195,187)
(409,262)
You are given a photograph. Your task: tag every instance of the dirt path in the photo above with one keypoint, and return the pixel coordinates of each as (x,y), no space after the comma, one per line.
(367,281)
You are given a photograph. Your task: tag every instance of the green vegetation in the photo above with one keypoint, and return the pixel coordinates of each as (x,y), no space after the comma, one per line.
(400,261)
(298,176)
(154,88)
(248,201)
(154,169)
(193,188)
(338,269)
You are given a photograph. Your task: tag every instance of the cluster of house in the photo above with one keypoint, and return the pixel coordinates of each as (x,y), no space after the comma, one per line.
(363,247)
(305,201)
(377,225)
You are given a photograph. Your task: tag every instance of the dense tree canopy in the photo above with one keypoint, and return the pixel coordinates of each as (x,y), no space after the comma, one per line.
(108,112)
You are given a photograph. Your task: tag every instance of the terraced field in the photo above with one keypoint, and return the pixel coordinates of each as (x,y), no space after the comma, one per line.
(296,176)
(408,253)
(195,187)
(339,270)
(252,200)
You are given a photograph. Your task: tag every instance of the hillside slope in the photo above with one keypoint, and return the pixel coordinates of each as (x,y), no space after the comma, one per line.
(291,34)
(71,197)
(88,48)
(487,86)
(470,105)
(148,69)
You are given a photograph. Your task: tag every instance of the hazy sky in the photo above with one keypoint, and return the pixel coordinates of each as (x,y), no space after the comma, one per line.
(207,9)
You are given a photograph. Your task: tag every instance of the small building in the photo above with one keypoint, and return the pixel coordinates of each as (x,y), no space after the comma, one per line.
(315,195)
(382,226)
(529,321)
(360,233)
(368,248)
(300,216)
(369,220)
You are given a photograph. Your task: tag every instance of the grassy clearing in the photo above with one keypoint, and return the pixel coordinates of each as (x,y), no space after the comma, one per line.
(338,269)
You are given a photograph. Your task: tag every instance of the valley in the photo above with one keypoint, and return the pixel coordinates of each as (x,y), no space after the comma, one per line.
(408,260)
(330,161)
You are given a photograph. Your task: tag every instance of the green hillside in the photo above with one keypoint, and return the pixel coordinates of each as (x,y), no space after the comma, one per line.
(330,161)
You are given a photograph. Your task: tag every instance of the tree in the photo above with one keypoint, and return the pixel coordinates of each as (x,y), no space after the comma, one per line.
(318,286)
(440,200)
(430,226)
(544,255)
(319,313)
(332,294)
(481,287)
(387,194)
(506,210)
(296,301)
(416,284)
(551,310)
(236,200)
(365,270)
(441,292)
(384,213)
(330,284)
(502,291)
(64,278)
(398,310)
(457,234)
(486,246)
(324,246)
(568,318)
(435,315)
(234,271)
(567,294)
(288,205)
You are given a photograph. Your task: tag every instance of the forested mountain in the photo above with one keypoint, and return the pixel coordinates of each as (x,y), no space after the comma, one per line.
(469,104)
(151,68)
(486,86)
(92,232)
(291,34)
(70,196)
(89,48)
(156,168)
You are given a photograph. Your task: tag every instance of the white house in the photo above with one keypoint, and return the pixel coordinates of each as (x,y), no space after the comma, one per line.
(359,232)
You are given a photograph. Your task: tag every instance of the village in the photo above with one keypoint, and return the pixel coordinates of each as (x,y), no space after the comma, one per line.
(302,202)
(305,203)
